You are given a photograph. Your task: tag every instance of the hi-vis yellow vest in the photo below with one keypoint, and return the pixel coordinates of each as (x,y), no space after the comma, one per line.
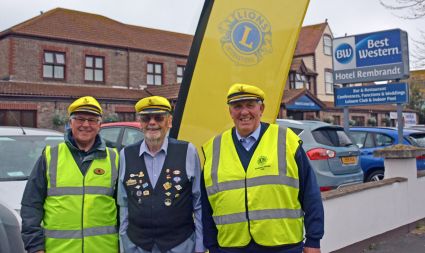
(80,213)
(261,202)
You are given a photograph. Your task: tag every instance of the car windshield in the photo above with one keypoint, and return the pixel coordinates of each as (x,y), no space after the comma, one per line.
(417,139)
(18,154)
(331,136)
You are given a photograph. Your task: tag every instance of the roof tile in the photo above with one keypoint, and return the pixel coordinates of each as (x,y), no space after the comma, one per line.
(85,27)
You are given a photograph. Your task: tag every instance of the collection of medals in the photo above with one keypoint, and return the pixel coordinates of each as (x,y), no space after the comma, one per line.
(140,184)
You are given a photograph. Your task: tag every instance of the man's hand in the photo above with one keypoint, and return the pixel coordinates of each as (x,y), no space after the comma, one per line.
(311,250)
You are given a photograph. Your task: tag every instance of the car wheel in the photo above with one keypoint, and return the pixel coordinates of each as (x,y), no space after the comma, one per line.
(375,176)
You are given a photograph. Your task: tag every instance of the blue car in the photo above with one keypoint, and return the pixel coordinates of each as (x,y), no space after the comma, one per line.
(369,139)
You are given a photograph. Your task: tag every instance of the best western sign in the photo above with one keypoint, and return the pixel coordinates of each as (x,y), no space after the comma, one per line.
(371,57)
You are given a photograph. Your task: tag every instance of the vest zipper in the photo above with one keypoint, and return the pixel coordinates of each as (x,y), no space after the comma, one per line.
(82,214)
(246,209)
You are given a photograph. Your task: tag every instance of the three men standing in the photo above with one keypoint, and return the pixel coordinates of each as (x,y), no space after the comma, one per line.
(258,189)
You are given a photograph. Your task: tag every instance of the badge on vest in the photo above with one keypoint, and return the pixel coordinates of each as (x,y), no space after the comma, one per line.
(99,171)
(131,182)
(167,185)
(177,179)
(167,202)
(262,163)
(176,172)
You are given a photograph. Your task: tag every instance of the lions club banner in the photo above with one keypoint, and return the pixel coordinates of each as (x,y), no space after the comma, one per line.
(237,41)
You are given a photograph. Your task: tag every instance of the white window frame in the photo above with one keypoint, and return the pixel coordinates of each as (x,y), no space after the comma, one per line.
(154,73)
(329,82)
(327,45)
(179,76)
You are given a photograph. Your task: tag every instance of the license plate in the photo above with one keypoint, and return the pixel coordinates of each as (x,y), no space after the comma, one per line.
(349,160)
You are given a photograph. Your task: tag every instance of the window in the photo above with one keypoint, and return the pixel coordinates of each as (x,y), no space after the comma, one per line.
(54,65)
(180,71)
(337,120)
(126,116)
(131,136)
(110,135)
(335,137)
(18,118)
(94,69)
(359,120)
(329,82)
(154,73)
(327,45)
(383,140)
(299,81)
(358,138)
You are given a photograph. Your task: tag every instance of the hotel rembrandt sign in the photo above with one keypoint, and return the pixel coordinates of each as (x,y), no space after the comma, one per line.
(371,57)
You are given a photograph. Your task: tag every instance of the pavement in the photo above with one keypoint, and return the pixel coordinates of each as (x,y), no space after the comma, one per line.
(413,242)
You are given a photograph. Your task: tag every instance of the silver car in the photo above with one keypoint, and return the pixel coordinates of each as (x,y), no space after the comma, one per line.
(20,148)
(334,158)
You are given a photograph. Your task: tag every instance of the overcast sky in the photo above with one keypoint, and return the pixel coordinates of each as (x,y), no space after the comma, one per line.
(344,16)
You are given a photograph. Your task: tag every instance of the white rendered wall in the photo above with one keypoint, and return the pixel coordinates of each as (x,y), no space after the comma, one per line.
(358,216)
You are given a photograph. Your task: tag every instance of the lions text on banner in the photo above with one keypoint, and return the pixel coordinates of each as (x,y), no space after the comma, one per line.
(237,41)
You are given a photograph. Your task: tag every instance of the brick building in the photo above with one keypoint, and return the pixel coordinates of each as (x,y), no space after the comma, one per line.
(49,60)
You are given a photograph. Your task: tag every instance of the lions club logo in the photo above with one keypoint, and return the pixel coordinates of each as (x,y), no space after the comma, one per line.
(246,37)
(262,160)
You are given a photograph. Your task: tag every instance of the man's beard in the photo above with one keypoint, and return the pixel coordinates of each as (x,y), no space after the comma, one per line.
(154,140)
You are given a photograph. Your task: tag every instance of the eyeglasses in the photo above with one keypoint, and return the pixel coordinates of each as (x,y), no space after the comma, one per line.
(157,117)
(91,121)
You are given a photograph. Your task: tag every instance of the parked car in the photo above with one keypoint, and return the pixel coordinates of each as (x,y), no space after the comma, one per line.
(369,139)
(332,155)
(20,147)
(416,127)
(119,134)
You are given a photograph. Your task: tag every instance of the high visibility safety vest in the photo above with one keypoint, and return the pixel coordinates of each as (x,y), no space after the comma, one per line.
(80,213)
(261,203)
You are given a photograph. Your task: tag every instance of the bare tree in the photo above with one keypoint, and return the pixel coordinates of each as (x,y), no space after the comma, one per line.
(409,9)
(417,51)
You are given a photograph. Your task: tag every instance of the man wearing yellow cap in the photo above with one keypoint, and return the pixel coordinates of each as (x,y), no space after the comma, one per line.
(258,189)
(159,187)
(71,190)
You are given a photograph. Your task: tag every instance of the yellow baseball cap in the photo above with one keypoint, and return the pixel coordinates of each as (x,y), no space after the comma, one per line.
(86,104)
(154,104)
(239,92)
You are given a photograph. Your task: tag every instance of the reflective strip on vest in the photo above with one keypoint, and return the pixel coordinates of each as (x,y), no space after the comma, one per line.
(79,234)
(257,215)
(264,180)
(59,191)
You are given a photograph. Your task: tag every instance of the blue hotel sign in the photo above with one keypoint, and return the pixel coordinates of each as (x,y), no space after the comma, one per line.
(303,103)
(371,57)
(394,93)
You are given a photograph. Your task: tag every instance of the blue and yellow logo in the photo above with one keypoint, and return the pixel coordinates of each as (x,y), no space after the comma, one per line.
(246,37)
